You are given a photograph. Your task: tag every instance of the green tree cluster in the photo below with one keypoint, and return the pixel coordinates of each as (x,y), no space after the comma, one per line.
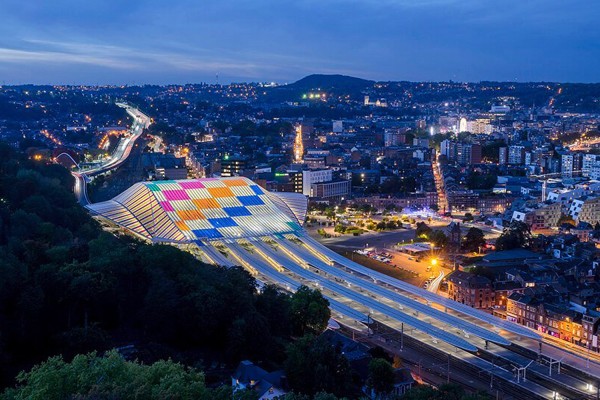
(383,225)
(381,377)
(309,311)
(437,237)
(474,239)
(422,230)
(366,208)
(313,365)
(516,235)
(112,377)
(67,287)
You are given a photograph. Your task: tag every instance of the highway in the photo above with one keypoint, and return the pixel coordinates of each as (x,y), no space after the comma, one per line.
(140,122)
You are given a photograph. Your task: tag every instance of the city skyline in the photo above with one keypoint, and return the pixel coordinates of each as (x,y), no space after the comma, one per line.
(159,43)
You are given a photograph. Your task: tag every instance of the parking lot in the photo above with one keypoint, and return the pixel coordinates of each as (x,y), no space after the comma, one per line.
(380,247)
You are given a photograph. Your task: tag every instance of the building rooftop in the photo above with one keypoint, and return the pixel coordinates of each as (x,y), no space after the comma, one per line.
(203,209)
(467,279)
(510,255)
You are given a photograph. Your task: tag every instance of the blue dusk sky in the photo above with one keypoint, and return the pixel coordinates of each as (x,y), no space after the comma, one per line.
(191,41)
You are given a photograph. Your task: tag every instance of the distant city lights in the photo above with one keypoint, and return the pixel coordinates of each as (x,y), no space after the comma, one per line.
(314,96)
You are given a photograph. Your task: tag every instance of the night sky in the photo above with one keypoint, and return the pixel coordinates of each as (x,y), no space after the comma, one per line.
(190,41)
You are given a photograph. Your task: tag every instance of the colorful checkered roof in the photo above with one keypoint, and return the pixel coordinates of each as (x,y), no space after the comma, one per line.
(199,209)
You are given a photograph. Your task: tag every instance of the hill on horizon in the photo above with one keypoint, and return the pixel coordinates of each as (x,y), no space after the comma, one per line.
(330,84)
(324,81)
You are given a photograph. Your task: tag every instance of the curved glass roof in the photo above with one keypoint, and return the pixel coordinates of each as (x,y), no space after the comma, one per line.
(433,297)
(210,211)
(200,209)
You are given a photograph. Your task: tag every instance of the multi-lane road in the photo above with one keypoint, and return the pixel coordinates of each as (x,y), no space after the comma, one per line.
(140,122)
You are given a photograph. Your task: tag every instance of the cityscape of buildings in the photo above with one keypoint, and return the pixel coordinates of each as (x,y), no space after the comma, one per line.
(482,199)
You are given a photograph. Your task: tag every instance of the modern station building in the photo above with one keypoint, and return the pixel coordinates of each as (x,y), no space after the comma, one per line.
(203,210)
(235,222)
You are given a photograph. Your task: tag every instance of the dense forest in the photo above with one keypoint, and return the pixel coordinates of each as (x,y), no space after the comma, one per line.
(67,288)
(71,293)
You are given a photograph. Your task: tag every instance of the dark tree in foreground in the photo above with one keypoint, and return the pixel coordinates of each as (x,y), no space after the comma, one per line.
(309,311)
(516,235)
(422,230)
(111,377)
(67,287)
(381,376)
(474,239)
(438,238)
(314,365)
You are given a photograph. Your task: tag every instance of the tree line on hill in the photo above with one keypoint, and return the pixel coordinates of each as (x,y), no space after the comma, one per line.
(67,287)
(70,292)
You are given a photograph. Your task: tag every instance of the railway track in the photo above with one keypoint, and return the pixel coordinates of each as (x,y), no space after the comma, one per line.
(461,372)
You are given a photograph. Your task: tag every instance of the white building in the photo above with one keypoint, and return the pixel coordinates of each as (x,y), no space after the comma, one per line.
(575,208)
(566,196)
(448,149)
(480,126)
(315,176)
(595,171)
(586,209)
(502,155)
(419,154)
(462,126)
(516,155)
(518,216)
(392,137)
(570,162)
(590,165)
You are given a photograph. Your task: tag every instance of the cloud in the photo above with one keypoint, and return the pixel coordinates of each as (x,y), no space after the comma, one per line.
(9,55)
(267,40)
(184,59)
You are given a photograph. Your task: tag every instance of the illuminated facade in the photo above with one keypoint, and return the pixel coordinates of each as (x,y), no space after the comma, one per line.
(298,144)
(188,211)
(234,222)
